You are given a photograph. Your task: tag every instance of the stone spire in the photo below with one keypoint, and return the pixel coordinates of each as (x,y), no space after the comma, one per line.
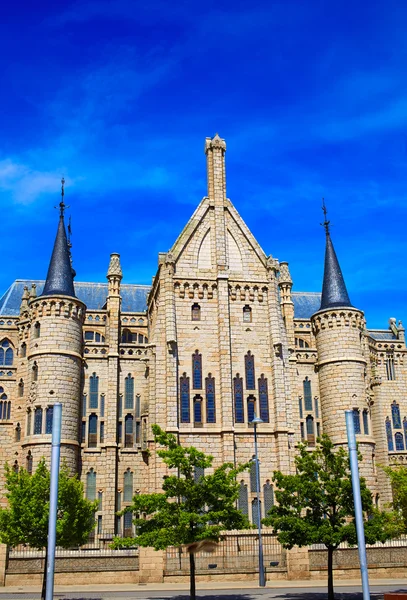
(60,274)
(114,274)
(215,149)
(334,292)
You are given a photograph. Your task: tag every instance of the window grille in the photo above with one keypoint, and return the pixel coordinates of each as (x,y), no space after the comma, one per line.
(390,370)
(309,423)
(249,369)
(210,399)
(356,420)
(238,394)
(268,492)
(198,473)
(38,421)
(253,476)
(49,415)
(395,415)
(242,500)
(255,511)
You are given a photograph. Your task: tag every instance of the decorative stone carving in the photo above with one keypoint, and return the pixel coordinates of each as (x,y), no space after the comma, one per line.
(115,269)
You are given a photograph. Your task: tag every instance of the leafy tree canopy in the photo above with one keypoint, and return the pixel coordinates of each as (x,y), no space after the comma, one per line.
(398,479)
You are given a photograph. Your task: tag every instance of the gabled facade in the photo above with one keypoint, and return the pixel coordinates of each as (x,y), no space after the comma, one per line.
(218,338)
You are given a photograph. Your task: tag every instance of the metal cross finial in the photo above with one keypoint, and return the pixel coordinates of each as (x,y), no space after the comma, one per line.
(325,224)
(62,205)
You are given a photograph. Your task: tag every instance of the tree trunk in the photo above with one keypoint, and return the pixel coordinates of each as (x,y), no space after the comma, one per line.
(44,576)
(192,576)
(331,594)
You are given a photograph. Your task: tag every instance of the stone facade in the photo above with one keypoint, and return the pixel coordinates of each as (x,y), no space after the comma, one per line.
(222,336)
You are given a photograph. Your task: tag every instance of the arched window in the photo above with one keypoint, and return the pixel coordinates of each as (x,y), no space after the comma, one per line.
(253,475)
(37,330)
(251,408)
(243,499)
(255,511)
(306,384)
(210,399)
(28,421)
(301,343)
(93,390)
(35,371)
(398,438)
(21,388)
(93,431)
(249,370)
(128,337)
(91,485)
(6,354)
(38,421)
(238,396)
(128,431)
(184,392)
(5,406)
(309,424)
(94,336)
(197,370)
(195,312)
(365,418)
(18,433)
(23,351)
(247,314)
(390,370)
(395,415)
(129,392)
(197,409)
(263,399)
(356,420)
(389,436)
(268,493)
(29,463)
(49,415)
(128,486)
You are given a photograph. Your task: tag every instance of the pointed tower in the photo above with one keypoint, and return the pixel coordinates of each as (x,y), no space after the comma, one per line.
(54,357)
(339,331)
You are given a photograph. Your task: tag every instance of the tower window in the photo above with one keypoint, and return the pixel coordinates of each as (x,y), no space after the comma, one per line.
(390,371)
(49,415)
(184,391)
(306,384)
(37,330)
(29,422)
(316,407)
(23,351)
(29,461)
(6,354)
(197,409)
(249,369)
(38,421)
(129,392)
(356,420)
(93,391)
(251,408)
(197,370)
(263,399)
(395,415)
(102,432)
(389,436)
(210,399)
(398,438)
(35,371)
(300,407)
(21,388)
(91,485)
(365,422)
(238,394)
(18,433)
(195,312)
(247,314)
(93,431)
(138,402)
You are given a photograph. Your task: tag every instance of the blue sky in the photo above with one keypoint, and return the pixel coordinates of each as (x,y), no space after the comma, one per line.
(118,97)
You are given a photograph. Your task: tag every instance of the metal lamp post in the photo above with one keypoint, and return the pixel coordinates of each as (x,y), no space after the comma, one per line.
(256,421)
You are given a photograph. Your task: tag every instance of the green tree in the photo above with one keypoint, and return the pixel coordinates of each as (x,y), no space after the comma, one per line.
(189,511)
(315,506)
(398,480)
(25,521)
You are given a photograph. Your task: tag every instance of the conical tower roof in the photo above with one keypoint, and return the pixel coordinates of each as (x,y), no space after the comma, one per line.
(60,273)
(334,292)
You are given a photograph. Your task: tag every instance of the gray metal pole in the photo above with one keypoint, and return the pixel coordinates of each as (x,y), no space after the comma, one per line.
(53,501)
(262,582)
(354,467)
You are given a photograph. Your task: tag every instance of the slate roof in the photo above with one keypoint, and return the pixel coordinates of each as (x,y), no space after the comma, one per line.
(305,304)
(134,297)
(382,334)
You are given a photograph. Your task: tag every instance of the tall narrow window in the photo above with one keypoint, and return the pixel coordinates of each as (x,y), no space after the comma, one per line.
(253,475)
(49,414)
(210,399)
(306,384)
(35,371)
(405,429)
(263,399)
(18,433)
(120,407)
(268,493)
(365,418)
(198,473)
(249,369)
(184,391)
(102,432)
(316,407)
(128,486)
(93,390)
(21,389)
(91,485)
(196,312)
(37,330)
(93,431)
(300,407)
(4,407)
(129,431)
(102,405)
(100,500)
(29,421)
(356,420)
(302,431)
(398,438)
(128,524)
(256,508)
(99,526)
(38,421)
(390,446)
(23,352)
(138,402)
(243,499)
(251,408)
(6,354)
(247,314)
(238,394)
(29,461)
(197,409)
(83,405)
(390,371)
(129,392)
(83,432)
(197,370)
(138,432)
(309,423)
(395,415)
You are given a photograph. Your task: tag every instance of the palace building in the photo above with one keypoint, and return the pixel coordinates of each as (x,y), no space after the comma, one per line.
(218,338)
